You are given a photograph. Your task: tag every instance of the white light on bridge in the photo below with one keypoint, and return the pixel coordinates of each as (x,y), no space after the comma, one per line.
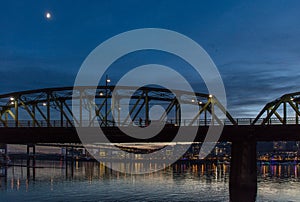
(44,104)
(193,100)
(200,103)
(12,103)
(108,80)
(12,99)
(210,95)
(101,93)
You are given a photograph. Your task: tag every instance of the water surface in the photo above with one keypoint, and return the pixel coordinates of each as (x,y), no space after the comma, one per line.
(91,181)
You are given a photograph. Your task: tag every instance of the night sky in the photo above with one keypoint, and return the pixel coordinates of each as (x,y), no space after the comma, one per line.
(255,44)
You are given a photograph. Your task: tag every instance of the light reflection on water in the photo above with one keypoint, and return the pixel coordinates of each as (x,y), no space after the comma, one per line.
(279,182)
(91,181)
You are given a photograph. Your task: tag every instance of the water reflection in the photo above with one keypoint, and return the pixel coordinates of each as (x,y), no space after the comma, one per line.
(279,182)
(288,170)
(184,181)
(93,170)
(90,171)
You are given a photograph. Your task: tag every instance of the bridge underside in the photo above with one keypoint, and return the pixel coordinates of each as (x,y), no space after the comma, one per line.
(231,133)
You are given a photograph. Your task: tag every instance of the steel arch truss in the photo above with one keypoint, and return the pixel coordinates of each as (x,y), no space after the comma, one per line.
(284,110)
(52,107)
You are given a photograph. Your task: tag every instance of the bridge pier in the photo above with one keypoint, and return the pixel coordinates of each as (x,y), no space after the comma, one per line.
(31,160)
(243,171)
(69,161)
(30,154)
(3,161)
(3,148)
(3,153)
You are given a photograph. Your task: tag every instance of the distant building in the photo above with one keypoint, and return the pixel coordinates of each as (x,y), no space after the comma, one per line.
(285,146)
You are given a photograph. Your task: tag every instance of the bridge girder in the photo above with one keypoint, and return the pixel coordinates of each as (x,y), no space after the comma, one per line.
(283,110)
(52,106)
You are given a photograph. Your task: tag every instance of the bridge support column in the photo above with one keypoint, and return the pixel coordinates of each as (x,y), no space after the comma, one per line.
(243,171)
(3,169)
(30,154)
(4,160)
(69,164)
(3,149)
(31,158)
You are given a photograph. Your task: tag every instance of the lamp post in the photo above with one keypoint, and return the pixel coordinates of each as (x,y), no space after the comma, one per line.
(107,81)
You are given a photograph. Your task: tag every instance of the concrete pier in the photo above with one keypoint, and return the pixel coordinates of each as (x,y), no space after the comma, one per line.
(31,160)
(243,171)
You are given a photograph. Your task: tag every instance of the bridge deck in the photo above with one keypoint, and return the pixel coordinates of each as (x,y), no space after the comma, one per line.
(12,135)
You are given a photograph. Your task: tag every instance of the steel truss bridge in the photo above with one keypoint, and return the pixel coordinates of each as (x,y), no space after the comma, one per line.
(45,116)
(25,114)
(52,107)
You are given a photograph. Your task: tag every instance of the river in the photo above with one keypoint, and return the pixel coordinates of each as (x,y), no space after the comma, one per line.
(92,181)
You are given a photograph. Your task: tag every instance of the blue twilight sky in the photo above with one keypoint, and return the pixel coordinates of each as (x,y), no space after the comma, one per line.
(255,44)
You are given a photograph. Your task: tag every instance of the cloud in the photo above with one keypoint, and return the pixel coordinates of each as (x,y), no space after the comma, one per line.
(252,88)
(254,44)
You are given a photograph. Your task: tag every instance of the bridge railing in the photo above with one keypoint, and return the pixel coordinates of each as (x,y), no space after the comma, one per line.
(275,121)
(39,123)
(170,122)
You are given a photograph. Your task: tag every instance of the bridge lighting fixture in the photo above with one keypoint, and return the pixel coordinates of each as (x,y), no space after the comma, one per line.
(292,99)
(200,103)
(210,96)
(44,104)
(12,99)
(193,100)
(101,93)
(106,92)
(12,102)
